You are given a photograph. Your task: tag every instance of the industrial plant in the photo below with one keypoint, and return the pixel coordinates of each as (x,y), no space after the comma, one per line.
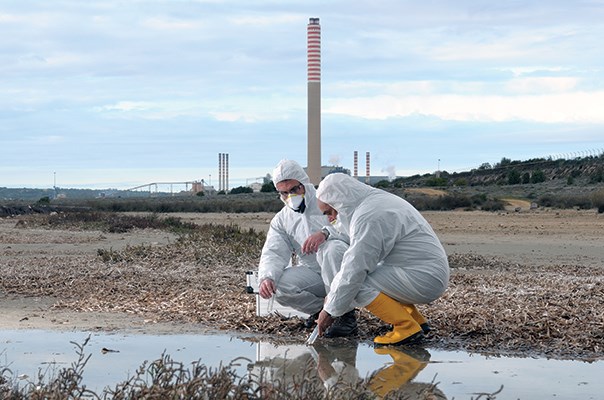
(315,170)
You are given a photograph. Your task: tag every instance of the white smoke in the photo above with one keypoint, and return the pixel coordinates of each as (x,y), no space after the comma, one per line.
(334,159)
(391,171)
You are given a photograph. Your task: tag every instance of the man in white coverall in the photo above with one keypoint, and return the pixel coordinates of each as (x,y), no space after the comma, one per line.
(395,259)
(300,286)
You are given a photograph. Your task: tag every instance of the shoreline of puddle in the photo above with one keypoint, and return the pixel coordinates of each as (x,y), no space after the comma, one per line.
(115,357)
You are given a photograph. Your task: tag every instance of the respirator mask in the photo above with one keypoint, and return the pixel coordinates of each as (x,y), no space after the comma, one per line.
(295,202)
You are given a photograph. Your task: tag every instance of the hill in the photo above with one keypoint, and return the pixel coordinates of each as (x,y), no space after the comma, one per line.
(576,183)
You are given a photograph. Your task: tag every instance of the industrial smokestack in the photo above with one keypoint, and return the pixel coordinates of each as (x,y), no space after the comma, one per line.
(368,172)
(226,173)
(314,100)
(223,171)
(219,171)
(356,164)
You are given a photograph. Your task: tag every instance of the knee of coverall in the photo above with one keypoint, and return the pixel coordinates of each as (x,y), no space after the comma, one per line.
(329,257)
(302,289)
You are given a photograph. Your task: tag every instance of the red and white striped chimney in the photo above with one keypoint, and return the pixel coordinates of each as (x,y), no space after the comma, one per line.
(314,100)
(314,50)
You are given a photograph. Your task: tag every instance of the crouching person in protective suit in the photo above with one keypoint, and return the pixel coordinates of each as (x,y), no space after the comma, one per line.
(394,259)
(298,286)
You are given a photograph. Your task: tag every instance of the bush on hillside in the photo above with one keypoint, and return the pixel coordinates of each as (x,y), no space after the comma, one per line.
(242,189)
(268,187)
(514,177)
(538,176)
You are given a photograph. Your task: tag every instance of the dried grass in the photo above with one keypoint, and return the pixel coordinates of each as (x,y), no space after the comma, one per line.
(491,306)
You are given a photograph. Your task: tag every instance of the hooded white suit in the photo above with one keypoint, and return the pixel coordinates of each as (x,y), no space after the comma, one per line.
(393,249)
(301,286)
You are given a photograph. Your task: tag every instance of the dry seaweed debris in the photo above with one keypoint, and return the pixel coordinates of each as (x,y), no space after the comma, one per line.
(490,307)
(548,310)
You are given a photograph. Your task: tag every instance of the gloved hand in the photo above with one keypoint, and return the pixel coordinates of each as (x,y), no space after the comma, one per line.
(267,288)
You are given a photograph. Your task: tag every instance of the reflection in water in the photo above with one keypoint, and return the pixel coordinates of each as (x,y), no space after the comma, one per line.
(334,363)
(406,363)
(460,375)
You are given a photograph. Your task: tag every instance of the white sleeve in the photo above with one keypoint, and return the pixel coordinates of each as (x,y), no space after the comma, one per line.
(276,252)
(368,245)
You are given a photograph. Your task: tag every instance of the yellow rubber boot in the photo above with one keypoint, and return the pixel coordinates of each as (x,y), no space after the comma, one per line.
(406,329)
(418,317)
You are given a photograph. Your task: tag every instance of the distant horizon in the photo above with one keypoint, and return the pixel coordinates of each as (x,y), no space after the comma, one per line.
(237,182)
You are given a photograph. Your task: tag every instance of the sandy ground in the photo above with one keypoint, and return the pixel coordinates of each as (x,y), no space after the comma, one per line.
(536,237)
(528,237)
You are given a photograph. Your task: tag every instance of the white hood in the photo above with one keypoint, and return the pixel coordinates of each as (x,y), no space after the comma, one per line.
(344,194)
(393,249)
(289,169)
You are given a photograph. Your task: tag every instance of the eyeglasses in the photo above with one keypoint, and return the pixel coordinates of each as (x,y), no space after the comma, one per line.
(294,190)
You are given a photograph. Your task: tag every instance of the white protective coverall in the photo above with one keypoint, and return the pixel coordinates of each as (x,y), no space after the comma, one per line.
(393,249)
(301,286)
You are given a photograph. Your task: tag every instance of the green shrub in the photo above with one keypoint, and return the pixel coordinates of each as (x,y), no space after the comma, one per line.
(566,201)
(537,176)
(598,176)
(44,200)
(268,187)
(513,177)
(493,205)
(242,189)
(461,182)
(597,200)
(479,198)
(434,181)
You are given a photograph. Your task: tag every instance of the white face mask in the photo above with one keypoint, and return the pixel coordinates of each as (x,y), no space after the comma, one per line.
(336,224)
(294,201)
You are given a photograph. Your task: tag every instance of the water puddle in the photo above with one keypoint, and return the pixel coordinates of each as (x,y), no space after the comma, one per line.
(115,357)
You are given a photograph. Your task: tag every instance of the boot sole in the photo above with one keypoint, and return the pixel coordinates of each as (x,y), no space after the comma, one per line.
(413,339)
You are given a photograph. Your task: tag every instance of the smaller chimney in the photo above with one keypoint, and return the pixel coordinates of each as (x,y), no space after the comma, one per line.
(368,173)
(226,175)
(219,171)
(356,164)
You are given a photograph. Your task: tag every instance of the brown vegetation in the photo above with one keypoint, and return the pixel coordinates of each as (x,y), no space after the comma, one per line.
(492,306)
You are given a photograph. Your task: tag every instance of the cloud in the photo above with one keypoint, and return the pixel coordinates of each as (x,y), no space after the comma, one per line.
(165,24)
(576,107)
(542,85)
(269,20)
(246,109)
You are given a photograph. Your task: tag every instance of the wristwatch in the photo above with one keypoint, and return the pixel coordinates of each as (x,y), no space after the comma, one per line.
(325,232)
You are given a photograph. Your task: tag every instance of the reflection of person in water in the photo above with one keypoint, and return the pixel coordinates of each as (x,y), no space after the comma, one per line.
(407,363)
(329,364)
(334,363)
(337,363)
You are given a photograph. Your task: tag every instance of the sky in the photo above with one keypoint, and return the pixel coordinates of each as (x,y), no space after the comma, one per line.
(116,94)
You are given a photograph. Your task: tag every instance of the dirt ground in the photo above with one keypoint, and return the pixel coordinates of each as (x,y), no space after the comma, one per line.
(536,240)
